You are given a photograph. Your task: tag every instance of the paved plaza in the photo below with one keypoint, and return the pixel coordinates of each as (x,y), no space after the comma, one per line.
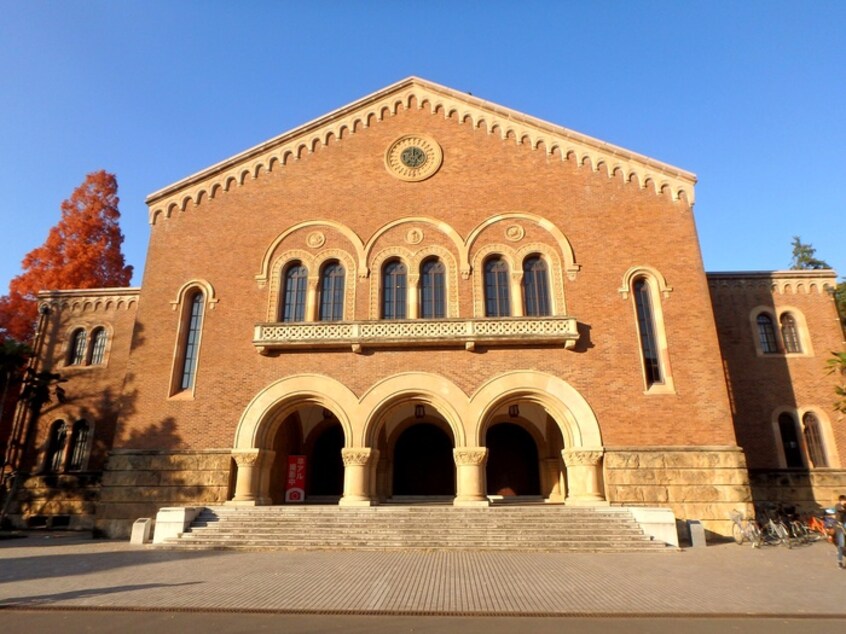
(67,571)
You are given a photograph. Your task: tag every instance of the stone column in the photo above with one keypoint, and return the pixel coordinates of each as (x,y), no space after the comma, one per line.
(470,476)
(584,474)
(552,479)
(311,307)
(248,484)
(356,476)
(517,292)
(412,310)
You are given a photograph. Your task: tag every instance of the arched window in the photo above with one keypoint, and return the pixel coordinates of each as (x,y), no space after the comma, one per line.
(497,296)
(814,440)
(646,332)
(79,445)
(56,446)
(332,292)
(294,293)
(790,334)
(393,290)
(535,287)
(790,442)
(76,354)
(432,290)
(191,340)
(766,334)
(98,346)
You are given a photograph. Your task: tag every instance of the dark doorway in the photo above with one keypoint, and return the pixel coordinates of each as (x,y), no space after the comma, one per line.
(325,465)
(423,462)
(512,461)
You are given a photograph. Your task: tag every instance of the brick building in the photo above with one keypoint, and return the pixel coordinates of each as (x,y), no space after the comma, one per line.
(430,296)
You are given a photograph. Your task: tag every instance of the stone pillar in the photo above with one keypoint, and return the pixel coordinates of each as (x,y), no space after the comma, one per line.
(517,292)
(251,482)
(470,476)
(584,474)
(311,307)
(357,476)
(412,310)
(552,479)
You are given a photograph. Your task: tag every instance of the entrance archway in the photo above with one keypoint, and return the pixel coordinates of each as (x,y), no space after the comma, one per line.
(326,467)
(423,462)
(513,466)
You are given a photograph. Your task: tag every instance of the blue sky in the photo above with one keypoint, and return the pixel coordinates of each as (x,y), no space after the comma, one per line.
(750,96)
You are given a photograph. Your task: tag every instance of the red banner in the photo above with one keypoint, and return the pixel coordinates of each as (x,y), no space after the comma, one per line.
(295,479)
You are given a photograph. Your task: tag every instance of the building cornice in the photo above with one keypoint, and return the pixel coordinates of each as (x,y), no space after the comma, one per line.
(782,282)
(518,128)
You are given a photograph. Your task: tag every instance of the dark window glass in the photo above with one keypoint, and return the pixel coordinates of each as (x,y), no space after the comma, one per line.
(332,292)
(192,341)
(790,441)
(79,445)
(98,346)
(432,290)
(766,334)
(77,348)
(535,287)
(394,290)
(497,297)
(56,446)
(646,330)
(789,334)
(294,293)
(813,440)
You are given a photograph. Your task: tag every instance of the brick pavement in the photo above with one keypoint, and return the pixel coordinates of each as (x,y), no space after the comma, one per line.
(65,571)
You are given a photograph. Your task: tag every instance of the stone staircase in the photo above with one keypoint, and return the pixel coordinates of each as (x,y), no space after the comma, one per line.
(511,528)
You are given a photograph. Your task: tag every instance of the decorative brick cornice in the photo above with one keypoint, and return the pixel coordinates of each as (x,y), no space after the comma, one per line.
(509,125)
(91,299)
(782,282)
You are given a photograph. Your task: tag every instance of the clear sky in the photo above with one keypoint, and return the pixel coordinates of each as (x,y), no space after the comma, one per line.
(750,96)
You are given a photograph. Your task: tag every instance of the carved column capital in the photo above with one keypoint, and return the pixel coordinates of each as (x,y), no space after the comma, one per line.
(470,456)
(357,457)
(247,458)
(582,457)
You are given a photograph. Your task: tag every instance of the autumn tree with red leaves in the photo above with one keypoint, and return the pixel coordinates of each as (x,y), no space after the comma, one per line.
(82,251)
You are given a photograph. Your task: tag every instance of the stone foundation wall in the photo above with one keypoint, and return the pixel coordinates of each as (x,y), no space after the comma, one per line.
(701,483)
(138,483)
(56,501)
(808,491)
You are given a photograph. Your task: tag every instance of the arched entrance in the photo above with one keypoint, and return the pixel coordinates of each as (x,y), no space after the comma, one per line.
(513,466)
(423,462)
(326,475)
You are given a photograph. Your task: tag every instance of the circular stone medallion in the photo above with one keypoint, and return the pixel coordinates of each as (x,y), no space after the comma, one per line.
(413,157)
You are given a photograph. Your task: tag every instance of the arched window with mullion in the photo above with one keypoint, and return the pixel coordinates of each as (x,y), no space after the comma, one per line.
(79,445)
(766,334)
(497,294)
(432,290)
(394,289)
(78,344)
(647,333)
(790,334)
(56,446)
(332,292)
(814,440)
(98,346)
(535,287)
(191,340)
(294,293)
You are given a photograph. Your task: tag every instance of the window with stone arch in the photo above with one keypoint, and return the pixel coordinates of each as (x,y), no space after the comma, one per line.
(56,440)
(814,442)
(791,447)
(432,289)
(790,334)
(331,290)
(394,289)
(99,338)
(78,346)
(497,287)
(79,446)
(536,300)
(192,302)
(766,334)
(294,292)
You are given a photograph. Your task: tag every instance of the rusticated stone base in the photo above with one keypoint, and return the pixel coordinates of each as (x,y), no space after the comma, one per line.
(60,501)
(808,491)
(703,483)
(138,483)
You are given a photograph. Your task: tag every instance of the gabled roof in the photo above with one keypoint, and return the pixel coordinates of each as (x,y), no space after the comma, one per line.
(462,107)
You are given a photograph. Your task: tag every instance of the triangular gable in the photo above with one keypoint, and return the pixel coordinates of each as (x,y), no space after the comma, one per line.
(275,153)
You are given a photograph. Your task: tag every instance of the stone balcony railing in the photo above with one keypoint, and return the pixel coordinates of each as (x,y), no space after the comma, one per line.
(467,333)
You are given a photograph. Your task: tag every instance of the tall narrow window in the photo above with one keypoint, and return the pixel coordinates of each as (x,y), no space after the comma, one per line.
(789,334)
(191,342)
(432,291)
(497,296)
(332,292)
(78,343)
(98,346)
(813,440)
(294,293)
(56,446)
(79,445)
(646,331)
(766,334)
(790,442)
(535,287)
(394,290)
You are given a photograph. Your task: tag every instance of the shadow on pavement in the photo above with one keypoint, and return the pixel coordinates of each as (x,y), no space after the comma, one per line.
(40,600)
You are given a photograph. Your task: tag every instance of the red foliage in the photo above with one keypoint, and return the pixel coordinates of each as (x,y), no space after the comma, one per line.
(81,251)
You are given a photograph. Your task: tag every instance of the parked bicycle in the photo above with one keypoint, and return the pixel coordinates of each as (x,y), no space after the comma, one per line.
(773,529)
(745,530)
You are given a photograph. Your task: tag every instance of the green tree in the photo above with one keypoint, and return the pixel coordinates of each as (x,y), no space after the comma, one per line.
(804,258)
(837,366)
